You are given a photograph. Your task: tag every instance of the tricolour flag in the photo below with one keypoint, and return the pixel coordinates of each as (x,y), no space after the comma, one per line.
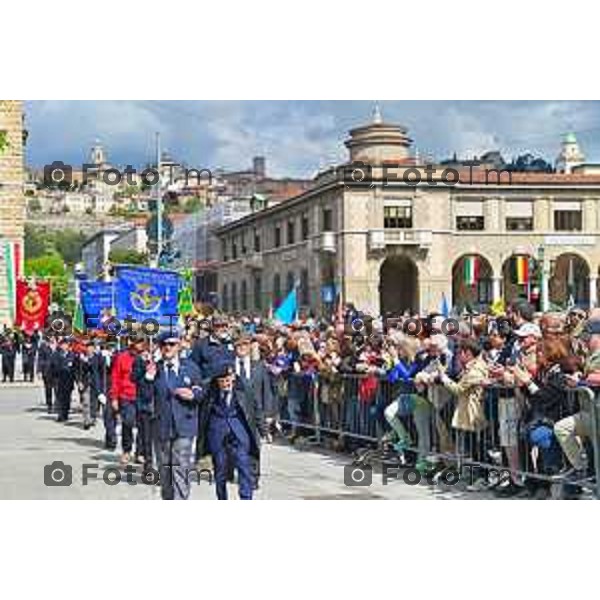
(522,270)
(472,266)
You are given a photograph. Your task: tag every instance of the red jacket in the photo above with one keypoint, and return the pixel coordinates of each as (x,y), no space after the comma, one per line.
(122,386)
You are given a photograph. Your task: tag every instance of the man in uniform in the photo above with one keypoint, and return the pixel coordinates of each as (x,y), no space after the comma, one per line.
(45,352)
(177,393)
(28,354)
(235,426)
(62,368)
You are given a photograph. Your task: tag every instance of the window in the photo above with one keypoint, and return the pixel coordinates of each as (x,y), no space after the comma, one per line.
(289,282)
(397,217)
(567,220)
(244,295)
(327,219)
(234,303)
(277,289)
(519,223)
(304,292)
(277,241)
(234,253)
(224,250)
(224,298)
(256,241)
(304,227)
(469,223)
(243,244)
(257,292)
(291,232)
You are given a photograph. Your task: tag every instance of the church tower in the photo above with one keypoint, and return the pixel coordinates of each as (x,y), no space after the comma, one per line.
(570,155)
(12,204)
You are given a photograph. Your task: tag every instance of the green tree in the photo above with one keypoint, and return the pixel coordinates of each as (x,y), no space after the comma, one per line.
(68,243)
(127,257)
(50,266)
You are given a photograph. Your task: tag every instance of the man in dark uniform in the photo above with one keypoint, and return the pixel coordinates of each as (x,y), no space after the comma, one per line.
(209,353)
(254,374)
(9,353)
(28,354)
(235,426)
(177,393)
(46,349)
(62,367)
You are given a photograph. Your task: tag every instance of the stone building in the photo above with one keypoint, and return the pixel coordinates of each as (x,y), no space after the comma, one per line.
(12,203)
(369,234)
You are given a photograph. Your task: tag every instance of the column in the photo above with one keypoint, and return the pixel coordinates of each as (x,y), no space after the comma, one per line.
(593,279)
(496,293)
(544,292)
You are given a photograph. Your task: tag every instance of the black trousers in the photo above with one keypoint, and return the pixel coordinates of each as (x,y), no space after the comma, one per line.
(8,370)
(63,400)
(48,391)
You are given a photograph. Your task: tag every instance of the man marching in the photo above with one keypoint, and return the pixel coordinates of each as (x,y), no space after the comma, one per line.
(235,426)
(177,393)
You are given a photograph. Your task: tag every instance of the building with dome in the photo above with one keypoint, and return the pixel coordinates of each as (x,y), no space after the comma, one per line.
(391,234)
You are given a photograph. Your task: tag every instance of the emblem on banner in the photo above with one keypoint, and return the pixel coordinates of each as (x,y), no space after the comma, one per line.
(145,298)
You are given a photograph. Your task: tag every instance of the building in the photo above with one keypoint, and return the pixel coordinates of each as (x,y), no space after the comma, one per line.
(198,245)
(370,235)
(135,239)
(95,251)
(12,199)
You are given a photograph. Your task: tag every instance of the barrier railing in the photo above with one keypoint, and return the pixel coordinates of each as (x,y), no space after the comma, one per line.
(504,427)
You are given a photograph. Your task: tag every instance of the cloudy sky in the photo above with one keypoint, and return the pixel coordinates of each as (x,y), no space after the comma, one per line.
(298,137)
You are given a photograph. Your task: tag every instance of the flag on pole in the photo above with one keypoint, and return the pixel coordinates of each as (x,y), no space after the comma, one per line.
(12,260)
(286,313)
(521,270)
(78,319)
(471,273)
(444,309)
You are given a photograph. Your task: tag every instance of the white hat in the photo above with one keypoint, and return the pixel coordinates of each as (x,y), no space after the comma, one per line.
(529,329)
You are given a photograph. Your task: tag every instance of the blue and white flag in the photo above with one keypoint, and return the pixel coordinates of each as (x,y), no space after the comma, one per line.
(143,293)
(95,296)
(286,313)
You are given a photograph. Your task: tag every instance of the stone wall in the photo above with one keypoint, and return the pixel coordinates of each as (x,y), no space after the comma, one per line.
(12,199)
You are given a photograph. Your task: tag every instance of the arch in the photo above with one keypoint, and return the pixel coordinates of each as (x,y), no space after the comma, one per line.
(471,295)
(569,281)
(398,285)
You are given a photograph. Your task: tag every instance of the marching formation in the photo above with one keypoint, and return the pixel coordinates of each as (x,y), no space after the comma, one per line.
(498,389)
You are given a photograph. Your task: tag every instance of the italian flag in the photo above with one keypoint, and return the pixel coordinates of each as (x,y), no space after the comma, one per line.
(12,259)
(471,273)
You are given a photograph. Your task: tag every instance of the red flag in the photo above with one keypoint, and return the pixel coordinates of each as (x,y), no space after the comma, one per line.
(32,305)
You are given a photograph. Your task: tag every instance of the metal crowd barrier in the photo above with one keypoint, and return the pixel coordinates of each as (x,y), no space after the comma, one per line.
(352,409)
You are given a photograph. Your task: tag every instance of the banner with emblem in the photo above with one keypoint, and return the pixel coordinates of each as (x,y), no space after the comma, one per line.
(32,304)
(96,298)
(143,293)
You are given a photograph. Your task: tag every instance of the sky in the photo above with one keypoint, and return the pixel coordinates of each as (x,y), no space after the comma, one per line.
(298,137)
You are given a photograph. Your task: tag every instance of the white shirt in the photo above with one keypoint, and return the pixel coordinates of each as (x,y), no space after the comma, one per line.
(242,363)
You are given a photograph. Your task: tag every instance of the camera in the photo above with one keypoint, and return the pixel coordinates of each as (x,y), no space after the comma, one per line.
(357,172)
(355,476)
(57,173)
(57,474)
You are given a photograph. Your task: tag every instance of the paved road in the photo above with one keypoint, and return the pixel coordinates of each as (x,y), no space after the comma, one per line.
(31,439)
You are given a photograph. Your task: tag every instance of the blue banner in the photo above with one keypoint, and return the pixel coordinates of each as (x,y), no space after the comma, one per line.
(143,293)
(95,297)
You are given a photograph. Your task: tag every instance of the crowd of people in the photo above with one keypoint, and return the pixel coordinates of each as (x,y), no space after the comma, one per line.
(508,390)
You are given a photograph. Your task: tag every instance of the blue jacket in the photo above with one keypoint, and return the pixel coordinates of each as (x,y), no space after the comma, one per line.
(209,353)
(176,417)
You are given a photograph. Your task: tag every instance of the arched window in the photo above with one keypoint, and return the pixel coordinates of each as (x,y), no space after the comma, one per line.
(224,298)
(244,295)
(234,299)
(277,289)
